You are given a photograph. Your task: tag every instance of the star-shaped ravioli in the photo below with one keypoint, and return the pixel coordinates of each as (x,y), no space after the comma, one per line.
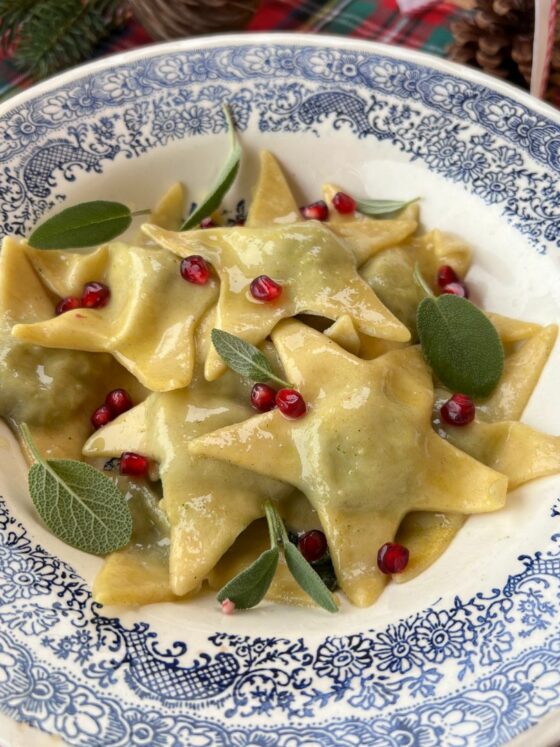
(139,573)
(274,203)
(391,275)
(391,272)
(369,236)
(317,273)
(527,348)
(365,454)
(514,449)
(208,503)
(168,211)
(53,391)
(316,270)
(148,324)
(495,438)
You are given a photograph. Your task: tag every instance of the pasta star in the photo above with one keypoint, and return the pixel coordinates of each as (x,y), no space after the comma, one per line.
(514,449)
(369,236)
(317,272)
(365,454)
(391,272)
(274,203)
(208,503)
(53,391)
(495,437)
(148,324)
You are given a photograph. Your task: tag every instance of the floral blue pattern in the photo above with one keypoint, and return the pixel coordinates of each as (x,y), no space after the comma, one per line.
(493,145)
(385,687)
(370,672)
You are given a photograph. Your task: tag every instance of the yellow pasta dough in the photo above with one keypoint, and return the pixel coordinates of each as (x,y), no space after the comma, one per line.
(47,389)
(208,503)
(527,349)
(344,454)
(149,323)
(274,203)
(317,272)
(370,462)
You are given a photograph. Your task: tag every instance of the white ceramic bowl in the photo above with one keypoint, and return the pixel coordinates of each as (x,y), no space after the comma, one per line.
(485,159)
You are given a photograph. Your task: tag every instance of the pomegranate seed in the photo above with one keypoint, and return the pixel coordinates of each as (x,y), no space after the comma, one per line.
(265,289)
(95,295)
(195,270)
(118,401)
(133,464)
(290,403)
(228,607)
(315,211)
(101,416)
(263,397)
(445,275)
(313,545)
(392,558)
(458,410)
(207,223)
(67,304)
(343,203)
(456,289)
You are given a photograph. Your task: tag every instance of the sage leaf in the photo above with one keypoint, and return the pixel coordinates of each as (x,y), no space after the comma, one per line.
(86,224)
(223,182)
(461,344)
(302,571)
(308,578)
(421,281)
(275,524)
(244,358)
(80,505)
(380,208)
(249,587)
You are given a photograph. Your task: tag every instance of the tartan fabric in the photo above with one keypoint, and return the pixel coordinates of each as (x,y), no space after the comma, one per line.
(380,20)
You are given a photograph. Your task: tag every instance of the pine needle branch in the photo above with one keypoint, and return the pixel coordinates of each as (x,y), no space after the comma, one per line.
(13,15)
(50,35)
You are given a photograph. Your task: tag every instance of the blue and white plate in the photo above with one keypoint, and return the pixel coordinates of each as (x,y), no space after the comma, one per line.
(466,655)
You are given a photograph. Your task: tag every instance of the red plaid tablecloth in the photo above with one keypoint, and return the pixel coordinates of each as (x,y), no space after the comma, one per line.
(380,20)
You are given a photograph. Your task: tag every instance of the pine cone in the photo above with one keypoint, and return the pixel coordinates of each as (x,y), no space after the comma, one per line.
(171,20)
(498,38)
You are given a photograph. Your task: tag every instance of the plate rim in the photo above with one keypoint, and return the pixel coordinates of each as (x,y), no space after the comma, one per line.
(290,39)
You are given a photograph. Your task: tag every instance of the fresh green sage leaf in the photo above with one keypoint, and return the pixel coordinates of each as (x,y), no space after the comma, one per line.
(275,524)
(308,578)
(421,281)
(223,182)
(86,224)
(460,344)
(249,587)
(302,571)
(244,358)
(379,208)
(80,505)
